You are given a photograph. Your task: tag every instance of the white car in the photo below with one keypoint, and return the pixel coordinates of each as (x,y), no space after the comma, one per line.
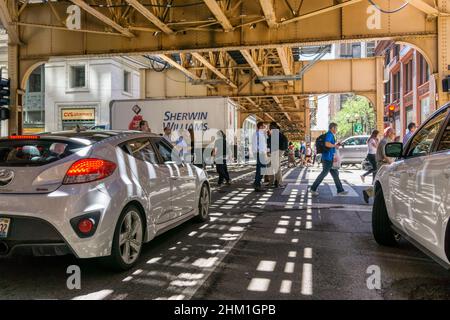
(94,194)
(412,195)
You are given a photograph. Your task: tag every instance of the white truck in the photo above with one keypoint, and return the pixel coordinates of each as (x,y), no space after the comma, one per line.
(199,114)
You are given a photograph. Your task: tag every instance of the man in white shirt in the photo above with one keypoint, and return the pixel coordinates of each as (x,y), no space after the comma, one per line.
(259,149)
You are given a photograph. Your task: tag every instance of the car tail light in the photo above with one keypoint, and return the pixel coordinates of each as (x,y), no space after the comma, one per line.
(86,225)
(87,170)
(23,137)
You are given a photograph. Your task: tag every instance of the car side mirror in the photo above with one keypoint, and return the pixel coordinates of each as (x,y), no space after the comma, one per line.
(393,149)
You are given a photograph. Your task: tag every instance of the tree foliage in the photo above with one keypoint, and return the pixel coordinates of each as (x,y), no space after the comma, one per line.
(355,105)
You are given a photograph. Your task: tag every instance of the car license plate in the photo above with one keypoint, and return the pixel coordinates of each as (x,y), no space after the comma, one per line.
(4,227)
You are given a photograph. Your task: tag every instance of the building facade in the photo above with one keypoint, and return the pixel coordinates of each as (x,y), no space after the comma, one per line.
(408,86)
(65,93)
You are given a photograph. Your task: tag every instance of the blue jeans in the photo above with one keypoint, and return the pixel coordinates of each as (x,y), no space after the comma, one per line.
(258,176)
(328,168)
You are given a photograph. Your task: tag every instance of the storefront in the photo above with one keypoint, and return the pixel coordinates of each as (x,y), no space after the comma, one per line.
(83,117)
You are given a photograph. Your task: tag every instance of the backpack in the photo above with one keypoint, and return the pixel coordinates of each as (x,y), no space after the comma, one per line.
(320,144)
(284,143)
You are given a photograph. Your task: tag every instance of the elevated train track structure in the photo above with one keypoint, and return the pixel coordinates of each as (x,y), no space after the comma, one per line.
(244,49)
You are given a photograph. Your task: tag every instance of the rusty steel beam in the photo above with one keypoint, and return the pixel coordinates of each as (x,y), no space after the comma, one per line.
(425,7)
(7,22)
(207,64)
(150,16)
(248,57)
(269,12)
(219,14)
(100,16)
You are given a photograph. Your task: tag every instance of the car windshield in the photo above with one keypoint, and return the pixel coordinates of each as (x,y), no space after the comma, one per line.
(35,152)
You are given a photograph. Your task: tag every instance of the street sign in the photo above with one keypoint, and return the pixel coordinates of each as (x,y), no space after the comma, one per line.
(358,128)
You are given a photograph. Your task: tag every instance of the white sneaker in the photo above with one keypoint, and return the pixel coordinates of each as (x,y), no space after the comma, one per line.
(314,193)
(343,193)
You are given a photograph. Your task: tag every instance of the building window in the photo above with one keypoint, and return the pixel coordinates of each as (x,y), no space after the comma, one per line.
(387,57)
(408,76)
(77,76)
(396,89)
(424,70)
(409,116)
(370,49)
(424,109)
(396,50)
(387,92)
(356,50)
(397,124)
(34,82)
(127,81)
(346,50)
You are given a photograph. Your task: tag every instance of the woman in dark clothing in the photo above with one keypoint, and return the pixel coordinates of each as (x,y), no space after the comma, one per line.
(220,154)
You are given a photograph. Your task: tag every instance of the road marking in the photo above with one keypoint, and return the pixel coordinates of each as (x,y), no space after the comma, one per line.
(307,280)
(99,295)
(326,206)
(347,187)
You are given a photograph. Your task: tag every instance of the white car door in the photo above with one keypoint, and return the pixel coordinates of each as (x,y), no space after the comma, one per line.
(182,179)
(402,176)
(153,177)
(430,206)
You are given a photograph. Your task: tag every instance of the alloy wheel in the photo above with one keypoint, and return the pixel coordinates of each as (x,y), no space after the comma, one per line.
(130,237)
(204,202)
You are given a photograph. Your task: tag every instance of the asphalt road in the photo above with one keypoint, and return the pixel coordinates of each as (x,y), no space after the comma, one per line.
(279,244)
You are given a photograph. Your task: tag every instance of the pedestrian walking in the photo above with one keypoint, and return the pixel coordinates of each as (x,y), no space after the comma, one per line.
(279,144)
(308,154)
(221,151)
(382,159)
(291,155)
(260,152)
(268,177)
(328,152)
(302,153)
(372,144)
(411,129)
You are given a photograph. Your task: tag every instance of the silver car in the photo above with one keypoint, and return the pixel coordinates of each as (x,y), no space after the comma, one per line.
(354,150)
(94,194)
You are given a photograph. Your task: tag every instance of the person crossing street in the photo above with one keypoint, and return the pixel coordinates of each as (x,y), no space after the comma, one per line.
(260,152)
(328,154)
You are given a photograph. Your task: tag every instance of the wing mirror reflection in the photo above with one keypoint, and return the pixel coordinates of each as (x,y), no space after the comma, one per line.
(393,149)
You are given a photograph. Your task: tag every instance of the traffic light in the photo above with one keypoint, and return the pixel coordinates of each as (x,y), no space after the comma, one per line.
(4,98)
(391,111)
(4,92)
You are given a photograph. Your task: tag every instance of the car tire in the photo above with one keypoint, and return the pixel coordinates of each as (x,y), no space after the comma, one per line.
(128,239)
(381,224)
(203,205)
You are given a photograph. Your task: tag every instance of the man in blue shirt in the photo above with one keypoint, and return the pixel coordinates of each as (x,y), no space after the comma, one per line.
(327,162)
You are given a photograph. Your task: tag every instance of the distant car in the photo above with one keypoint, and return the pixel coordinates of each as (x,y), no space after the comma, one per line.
(94,194)
(354,150)
(412,195)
